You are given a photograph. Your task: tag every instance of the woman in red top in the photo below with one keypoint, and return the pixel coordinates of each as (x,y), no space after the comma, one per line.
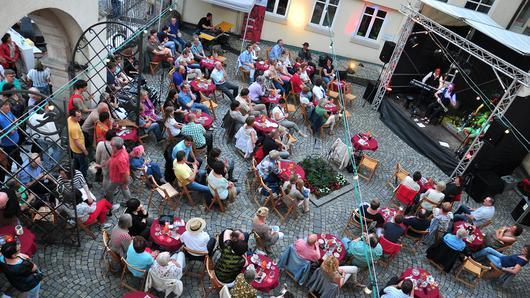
(9,53)
(102,126)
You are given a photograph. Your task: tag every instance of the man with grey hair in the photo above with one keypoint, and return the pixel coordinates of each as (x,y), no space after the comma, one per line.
(257,89)
(187,100)
(34,98)
(119,237)
(119,172)
(219,77)
(456,242)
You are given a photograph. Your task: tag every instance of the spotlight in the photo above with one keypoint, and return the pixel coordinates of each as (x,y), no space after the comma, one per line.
(351,68)
(478,98)
(437,52)
(388,89)
(456,71)
(507,131)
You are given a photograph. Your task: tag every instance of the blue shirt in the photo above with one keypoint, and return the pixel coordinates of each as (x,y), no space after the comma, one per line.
(184,99)
(11,139)
(217,76)
(181,146)
(173,29)
(245,58)
(141,261)
(28,173)
(511,261)
(276,52)
(197,49)
(177,78)
(454,242)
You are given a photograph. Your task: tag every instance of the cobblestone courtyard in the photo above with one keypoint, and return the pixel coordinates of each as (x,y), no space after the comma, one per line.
(80,272)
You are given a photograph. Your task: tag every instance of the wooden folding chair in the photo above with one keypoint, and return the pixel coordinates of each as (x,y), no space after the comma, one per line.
(269,198)
(126,272)
(504,248)
(109,255)
(245,74)
(290,204)
(185,192)
(154,67)
(215,284)
(415,239)
(484,225)
(170,78)
(168,194)
(212,105)
(215,200)
(260,243)
(354,222)
(195,256)
(348,96)
(251,182)
(370,165)
(332,94)
(474,268)
(397,176)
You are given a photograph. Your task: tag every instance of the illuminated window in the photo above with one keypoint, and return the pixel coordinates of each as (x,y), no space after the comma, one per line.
(371,22)
(278,7)
(480,5)
(324,12)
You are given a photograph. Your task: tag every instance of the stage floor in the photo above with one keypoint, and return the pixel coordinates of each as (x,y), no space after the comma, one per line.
(433,141)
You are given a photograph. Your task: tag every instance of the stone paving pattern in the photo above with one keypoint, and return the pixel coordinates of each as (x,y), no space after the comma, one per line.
(80,272)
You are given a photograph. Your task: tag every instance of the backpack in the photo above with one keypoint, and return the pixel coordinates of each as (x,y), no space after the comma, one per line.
(338,154)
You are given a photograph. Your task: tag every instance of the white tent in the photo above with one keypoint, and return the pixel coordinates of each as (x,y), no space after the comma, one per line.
(450,15)
(239,5)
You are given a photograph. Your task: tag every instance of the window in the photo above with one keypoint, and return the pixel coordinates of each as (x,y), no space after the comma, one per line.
(278,7)
(371,22)
(320,18)
(480,5)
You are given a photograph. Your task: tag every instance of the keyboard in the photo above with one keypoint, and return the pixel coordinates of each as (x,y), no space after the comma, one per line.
(421,85)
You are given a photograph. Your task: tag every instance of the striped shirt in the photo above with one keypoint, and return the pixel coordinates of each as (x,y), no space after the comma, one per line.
(65,185)
(39,78)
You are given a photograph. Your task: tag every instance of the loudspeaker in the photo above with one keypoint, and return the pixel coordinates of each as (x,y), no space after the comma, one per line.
(369,92)
(484,184)
(386,51)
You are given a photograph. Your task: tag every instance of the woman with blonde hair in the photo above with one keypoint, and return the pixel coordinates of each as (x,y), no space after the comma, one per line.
(435,196)
(170,123)
(295,189)
(269,234)
(339,275)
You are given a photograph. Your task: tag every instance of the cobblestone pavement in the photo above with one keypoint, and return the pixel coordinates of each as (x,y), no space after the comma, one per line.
(80,272)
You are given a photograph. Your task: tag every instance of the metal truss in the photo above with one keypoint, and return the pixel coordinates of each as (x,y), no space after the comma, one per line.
(499,111)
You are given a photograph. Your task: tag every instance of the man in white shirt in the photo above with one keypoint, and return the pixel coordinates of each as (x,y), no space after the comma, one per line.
(318,91)
(279,114)
(257,89)
(412,182)
(478,216)
(195,238)
(219,78)
(403,289)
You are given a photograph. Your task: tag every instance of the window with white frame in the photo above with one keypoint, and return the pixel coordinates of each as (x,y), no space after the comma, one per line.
(324,12)
(480,5)
(278,7)
(371,22)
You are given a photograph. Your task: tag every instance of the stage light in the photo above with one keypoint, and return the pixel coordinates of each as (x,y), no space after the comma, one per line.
(456,71)
(351,68)
(388,89)
(437,52)
(477,98)
(507,131)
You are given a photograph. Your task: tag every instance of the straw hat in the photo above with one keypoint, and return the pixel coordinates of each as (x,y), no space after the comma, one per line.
(195,225)
(263,211)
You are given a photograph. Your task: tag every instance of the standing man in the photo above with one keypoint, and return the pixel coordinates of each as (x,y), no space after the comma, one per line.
(276,50)
(433,79)
(77,100)
(10,141)
(119,171)
(76,140)
(245,60)
(219,78)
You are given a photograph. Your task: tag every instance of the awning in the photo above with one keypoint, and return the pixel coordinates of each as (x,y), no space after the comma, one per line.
(450,15)
(239,5)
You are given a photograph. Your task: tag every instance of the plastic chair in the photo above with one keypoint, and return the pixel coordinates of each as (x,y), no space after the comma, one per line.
(474,268)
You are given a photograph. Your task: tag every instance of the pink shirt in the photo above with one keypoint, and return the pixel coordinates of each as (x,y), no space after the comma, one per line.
(306,251)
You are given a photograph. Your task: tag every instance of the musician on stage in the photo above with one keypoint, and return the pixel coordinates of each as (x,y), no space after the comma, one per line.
(433,79)
(444,98)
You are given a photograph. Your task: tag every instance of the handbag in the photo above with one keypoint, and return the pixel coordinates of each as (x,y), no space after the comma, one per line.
(37,275)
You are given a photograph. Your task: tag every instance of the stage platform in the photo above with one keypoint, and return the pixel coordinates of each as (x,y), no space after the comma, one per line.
(433,141)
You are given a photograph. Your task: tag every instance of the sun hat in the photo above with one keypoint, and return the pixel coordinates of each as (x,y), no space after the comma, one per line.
(195,225)
(262,211)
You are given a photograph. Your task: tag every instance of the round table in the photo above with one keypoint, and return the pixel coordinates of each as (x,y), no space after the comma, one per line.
(389,213)
(128,134)
(272,278)
(424,284)
(208,63)
(138,294)
(262,65)
(288,168)
(204,119)
(475,239)
(27,240)
(332,108)
(265,125)
(167,242)
(335,246)
(364,142)
(205,86)
(272,98)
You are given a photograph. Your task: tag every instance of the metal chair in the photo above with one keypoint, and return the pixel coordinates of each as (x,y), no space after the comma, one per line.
(474,268)
(370,165)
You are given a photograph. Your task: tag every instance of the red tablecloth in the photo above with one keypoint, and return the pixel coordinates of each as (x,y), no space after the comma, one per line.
(269,282)
(426,184)
(27,240)
(429,289)
(208,63)
(138,294)
(367,143)
(165,241)
(204,119)
(262,65)
(388,213)
(475,239)
(265,125)
(332,108)
(128,134)
(289,168)
(205,86)
(275,99)
(339,253)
